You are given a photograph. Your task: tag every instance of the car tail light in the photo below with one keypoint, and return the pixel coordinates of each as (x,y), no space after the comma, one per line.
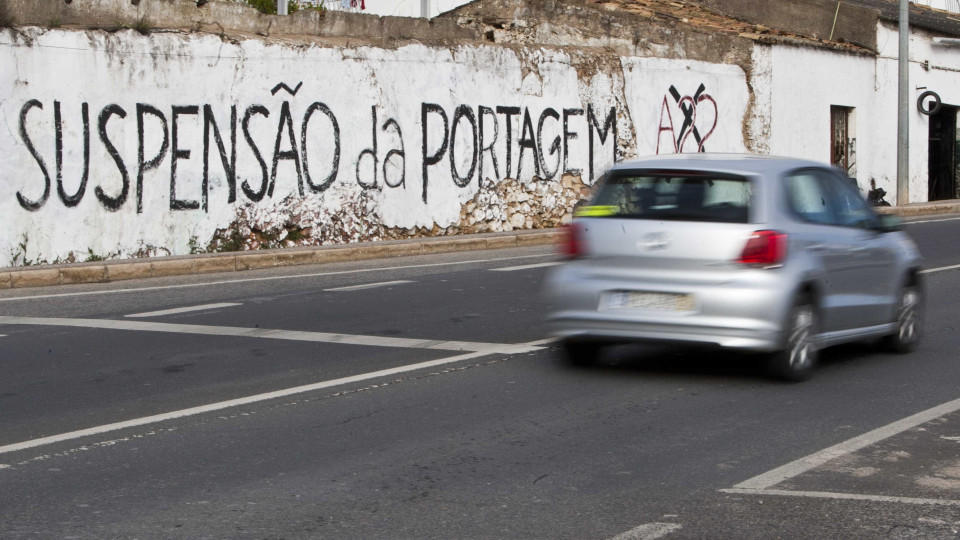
(571,243)
(764,248)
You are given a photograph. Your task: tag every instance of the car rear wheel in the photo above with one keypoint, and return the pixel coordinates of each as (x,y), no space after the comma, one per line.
(798,358)
(581,353)
(909,321)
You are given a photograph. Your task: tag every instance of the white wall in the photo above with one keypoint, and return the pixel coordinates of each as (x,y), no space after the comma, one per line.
(675,102)
(127,81)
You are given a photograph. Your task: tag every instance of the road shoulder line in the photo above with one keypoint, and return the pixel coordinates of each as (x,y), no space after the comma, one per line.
(795,468)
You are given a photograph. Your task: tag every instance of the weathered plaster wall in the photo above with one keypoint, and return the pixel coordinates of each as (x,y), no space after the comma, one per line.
(188,133)
(805,82)
(932,67)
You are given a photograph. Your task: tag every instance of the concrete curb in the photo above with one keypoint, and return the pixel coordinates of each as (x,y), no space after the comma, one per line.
(102,272)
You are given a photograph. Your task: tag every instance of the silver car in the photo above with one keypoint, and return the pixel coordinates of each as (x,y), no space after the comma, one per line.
(773,255)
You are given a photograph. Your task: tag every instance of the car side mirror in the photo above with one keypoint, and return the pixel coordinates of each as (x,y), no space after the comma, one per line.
(889,223)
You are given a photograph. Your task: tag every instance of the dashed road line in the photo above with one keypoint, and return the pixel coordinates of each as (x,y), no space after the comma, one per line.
(525,267)
(265,333)
(274,278)
(649,531)
(174,311)
(368,286)
(193,411)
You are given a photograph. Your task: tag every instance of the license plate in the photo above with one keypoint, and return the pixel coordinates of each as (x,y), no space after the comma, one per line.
(652,301)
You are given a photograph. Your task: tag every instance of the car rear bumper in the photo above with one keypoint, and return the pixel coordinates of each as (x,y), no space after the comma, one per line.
(737,310)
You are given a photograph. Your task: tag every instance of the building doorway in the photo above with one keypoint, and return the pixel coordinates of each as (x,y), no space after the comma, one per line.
(942,159)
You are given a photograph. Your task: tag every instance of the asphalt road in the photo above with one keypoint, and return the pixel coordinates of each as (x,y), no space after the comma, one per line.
(296,404)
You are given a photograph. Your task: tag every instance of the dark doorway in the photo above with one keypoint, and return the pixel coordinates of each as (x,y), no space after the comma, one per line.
(942,163)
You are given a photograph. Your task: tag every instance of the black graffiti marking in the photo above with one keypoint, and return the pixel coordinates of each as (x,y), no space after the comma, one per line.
(322,186)
(401,153)
(425,109)
(72,200)
(527,142)
(255,196)
(284,86)
(372,152)
(290,153)
(229,164)
(567,137)
(463,111)
(33,206)
(154,162)
(176,153)
(509,112)
(487,111)
(112,203)
(689,112)
(609,125)
(554,146)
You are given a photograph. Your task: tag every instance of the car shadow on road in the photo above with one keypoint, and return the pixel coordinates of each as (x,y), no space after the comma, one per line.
(711,362)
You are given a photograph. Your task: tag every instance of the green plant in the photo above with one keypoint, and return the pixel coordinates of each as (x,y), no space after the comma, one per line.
(270,6)
(194,245)
(55,22)
(142,25)
(92,257)
(233,241)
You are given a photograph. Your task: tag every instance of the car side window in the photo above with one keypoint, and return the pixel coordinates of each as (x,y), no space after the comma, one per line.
(808,197)
(850,209)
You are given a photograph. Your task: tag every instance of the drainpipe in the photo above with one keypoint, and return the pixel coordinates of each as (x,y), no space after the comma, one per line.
(282,7)
(425,9)
(903,119)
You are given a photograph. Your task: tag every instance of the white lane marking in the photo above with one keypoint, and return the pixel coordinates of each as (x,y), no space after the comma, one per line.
(649,531)
(241,401)
(940,269)
(266,333)
(848,496)
(930,221)
(368,286)
(804,464)
(181,310)
(525,267)
(274,278)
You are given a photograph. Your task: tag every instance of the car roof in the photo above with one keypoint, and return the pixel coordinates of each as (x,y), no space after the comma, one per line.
(743,164)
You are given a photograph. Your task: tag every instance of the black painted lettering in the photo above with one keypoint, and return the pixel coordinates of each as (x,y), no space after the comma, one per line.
(154,162)
(567,137)
(481,112)
(463,111)
(609,125)
(395,152)
(255,196)
(527,142)
(177,154)
(72,200)
(548,173)
(112,203)
(425,109)
(229,163)
(372,152)
(509,112)
(27,204)
(322,186)
(290,153)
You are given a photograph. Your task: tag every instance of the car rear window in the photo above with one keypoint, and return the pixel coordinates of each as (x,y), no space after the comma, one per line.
(694,196)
